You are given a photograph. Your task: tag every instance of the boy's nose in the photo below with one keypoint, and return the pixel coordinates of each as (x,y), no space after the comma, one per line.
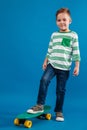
(62,21)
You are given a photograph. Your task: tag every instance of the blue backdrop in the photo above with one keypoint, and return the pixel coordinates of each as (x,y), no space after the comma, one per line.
(25,30)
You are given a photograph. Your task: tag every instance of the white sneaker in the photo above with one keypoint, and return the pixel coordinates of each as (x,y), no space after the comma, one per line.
(59,116)
(36,109)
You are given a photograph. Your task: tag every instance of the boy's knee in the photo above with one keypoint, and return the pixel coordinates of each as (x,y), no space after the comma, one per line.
(45,80)
(61,91)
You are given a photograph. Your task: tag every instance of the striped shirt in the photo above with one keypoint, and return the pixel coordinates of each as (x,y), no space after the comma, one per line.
(63,49)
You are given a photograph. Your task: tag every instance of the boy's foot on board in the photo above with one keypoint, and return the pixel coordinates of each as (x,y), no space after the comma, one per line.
(36,109)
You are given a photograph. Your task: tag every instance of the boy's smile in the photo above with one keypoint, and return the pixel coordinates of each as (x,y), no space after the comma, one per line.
(63,20)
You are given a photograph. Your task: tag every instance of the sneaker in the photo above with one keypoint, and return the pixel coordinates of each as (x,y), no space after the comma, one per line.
(36,109)
(59,116)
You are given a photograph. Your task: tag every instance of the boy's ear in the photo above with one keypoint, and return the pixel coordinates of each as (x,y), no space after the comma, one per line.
(70,21)
(56,22)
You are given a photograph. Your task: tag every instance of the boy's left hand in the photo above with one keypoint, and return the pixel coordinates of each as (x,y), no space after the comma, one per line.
(76,71)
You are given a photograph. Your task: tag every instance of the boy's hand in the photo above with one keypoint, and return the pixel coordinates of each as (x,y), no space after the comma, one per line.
(44,66)
(76,71)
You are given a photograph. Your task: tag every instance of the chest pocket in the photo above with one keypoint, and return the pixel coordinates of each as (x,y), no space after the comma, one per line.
(66,42)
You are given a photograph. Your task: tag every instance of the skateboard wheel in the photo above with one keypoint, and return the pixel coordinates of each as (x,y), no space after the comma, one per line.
(16,121)
(48,116)
(28,124)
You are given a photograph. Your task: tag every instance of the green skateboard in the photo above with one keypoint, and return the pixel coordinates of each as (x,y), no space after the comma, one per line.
(24,117)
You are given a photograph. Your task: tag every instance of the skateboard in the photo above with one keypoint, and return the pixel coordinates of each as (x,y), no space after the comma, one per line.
(24,118)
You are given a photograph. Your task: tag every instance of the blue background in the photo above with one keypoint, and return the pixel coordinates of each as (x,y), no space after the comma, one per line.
(25,30)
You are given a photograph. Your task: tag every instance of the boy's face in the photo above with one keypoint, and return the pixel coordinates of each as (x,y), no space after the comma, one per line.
(63,20)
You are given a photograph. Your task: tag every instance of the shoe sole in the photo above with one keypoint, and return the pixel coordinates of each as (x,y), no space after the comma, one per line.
(59,119)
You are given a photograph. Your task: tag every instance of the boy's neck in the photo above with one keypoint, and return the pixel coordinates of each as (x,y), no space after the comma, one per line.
(67,30)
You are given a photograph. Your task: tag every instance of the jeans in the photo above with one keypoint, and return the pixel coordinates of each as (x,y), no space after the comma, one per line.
(61,78)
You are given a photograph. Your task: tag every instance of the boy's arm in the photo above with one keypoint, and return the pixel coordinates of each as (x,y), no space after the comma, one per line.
(76,68)
(76,55)
(48,53)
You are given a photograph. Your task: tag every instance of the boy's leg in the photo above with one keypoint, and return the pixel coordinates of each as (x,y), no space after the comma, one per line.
(62,77)
(44,82)
(48,74)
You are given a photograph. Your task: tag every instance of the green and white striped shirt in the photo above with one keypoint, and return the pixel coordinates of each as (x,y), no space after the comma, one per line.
(63,48)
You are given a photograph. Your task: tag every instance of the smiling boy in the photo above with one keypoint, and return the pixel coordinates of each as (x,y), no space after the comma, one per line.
(63,49)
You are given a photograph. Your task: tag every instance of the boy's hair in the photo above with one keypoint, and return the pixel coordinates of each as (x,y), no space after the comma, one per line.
(63,10)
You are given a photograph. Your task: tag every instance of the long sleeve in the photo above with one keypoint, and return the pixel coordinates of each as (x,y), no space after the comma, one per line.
(75,49)
(49,48)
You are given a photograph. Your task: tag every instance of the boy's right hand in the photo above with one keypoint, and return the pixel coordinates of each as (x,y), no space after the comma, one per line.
(44,66)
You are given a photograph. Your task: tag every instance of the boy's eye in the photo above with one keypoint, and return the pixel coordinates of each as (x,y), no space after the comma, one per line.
(64,19)
(58,20)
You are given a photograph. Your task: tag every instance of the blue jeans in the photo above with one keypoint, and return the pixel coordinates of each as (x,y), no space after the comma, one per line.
(61,78)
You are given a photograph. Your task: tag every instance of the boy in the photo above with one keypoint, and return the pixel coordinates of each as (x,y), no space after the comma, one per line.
(63,48)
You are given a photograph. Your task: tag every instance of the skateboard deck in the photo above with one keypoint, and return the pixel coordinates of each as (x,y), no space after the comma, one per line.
(25,117)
